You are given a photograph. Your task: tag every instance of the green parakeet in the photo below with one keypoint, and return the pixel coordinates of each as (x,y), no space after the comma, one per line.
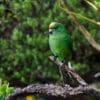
(61,46)
(60,41)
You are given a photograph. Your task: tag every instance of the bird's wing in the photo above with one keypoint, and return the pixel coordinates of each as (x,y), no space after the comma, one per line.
(69,41)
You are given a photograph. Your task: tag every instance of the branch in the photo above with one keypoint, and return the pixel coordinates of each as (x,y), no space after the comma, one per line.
(88,19)
(65,91)
(80,26)
(71,72)
(91,4)
(53,90)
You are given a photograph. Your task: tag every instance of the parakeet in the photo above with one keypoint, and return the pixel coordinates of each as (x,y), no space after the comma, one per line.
(60,41)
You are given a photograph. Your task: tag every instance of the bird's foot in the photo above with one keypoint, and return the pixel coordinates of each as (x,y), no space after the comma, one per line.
(54,58)
(61,64)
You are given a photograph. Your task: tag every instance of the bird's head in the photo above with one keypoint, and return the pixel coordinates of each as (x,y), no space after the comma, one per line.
(56,27)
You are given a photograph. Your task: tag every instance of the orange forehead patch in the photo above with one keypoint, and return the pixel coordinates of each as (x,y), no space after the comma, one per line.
(51,27)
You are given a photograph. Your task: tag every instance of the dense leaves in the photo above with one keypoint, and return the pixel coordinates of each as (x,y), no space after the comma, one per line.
(24,46)
(4,90)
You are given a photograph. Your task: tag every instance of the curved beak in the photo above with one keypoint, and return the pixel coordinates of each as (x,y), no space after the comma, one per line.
(50,31)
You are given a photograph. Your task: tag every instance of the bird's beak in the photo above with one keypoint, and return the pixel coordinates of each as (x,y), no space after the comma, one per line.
(50,31)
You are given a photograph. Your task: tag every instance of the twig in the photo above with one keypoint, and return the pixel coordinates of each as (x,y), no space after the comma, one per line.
(88,19)
(53,90)
(80,26)
(91,4)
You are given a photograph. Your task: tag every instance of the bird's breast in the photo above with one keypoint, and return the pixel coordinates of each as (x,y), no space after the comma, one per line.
(57,45)
(60,46)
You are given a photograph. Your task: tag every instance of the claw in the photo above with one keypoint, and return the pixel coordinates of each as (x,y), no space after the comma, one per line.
(55,57)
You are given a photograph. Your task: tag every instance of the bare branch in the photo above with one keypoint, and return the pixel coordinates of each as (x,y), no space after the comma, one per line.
(88,19)
(80,26)
(65,91)
(91,4)
(53,90)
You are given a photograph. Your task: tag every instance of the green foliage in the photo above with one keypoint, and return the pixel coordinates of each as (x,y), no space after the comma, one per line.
(24,46)
(82,69)
(5,90)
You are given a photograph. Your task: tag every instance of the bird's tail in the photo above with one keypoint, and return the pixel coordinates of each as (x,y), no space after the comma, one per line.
(69,65)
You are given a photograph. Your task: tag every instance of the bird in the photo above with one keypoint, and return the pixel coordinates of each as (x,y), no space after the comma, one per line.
(61,45)
(60,41)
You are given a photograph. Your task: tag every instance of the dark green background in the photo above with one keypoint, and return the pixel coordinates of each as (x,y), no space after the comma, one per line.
(24,48)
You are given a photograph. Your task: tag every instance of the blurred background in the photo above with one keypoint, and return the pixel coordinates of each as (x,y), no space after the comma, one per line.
(24,48)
